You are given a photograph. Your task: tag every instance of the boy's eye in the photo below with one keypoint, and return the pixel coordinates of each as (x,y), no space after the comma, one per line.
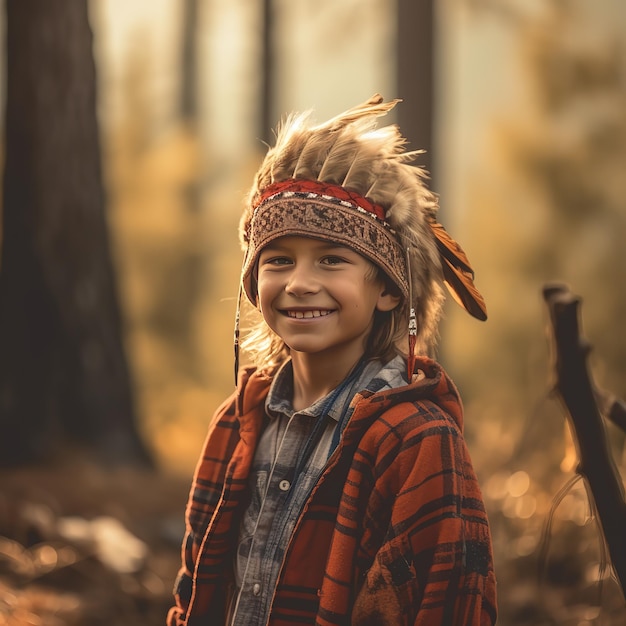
(333,260)
(276,260)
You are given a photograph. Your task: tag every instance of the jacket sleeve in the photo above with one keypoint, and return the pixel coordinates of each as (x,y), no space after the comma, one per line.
(204,496)
(434,565)
(183,584)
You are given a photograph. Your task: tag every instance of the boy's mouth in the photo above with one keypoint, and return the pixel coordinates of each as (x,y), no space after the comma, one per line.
(308,314)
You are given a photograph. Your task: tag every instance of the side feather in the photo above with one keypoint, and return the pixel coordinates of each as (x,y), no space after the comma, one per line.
(458,274)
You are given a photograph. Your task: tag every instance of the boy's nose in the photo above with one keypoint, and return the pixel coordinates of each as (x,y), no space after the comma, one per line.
(301,282)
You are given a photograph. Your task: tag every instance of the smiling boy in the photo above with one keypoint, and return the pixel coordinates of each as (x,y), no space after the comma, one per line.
(335,486)
(319,298)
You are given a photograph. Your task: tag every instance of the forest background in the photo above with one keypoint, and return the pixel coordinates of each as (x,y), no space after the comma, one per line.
(522,108)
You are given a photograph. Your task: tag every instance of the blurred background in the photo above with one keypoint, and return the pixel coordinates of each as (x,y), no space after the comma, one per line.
(131,134)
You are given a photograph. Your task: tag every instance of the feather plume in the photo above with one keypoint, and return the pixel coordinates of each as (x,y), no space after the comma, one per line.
(338,160)
(458,273)
(365,165)
(287,149)
(312,155)
(374,107)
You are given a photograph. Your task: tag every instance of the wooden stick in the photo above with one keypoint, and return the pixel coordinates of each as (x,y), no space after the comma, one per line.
(576,390)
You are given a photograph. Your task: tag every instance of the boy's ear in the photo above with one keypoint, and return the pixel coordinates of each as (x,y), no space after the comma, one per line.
(387,300)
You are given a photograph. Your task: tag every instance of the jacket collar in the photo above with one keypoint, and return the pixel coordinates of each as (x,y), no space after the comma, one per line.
(430,382)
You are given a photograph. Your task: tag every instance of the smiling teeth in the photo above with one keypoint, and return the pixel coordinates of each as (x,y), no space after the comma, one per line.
(306,314)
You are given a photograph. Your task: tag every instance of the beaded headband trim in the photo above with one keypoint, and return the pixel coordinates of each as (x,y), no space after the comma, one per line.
(327,191)
(325,211)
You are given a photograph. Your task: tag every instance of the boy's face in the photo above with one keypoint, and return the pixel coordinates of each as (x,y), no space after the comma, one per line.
(319,297)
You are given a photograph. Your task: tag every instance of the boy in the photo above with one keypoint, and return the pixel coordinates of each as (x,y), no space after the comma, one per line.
(335,486)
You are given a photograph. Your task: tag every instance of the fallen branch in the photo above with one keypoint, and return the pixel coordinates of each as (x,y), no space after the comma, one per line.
(576,390)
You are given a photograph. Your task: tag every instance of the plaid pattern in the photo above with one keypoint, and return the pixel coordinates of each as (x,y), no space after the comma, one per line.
(272,513)
(394,532)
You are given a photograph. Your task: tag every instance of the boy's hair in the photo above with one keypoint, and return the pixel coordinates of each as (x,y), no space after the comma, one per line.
(351,182)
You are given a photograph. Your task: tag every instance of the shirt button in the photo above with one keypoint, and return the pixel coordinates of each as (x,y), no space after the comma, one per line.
(284,485)
(256,589)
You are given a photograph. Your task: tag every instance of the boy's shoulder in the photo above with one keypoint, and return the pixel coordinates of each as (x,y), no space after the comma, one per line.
(430,383)
(430,399)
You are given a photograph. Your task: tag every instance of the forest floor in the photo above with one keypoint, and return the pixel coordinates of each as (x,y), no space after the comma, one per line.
(81,545)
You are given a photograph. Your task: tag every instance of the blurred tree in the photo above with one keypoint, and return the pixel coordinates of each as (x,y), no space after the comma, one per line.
(189,64)
(560,161)
(267,69)
(63,372)
(414,72)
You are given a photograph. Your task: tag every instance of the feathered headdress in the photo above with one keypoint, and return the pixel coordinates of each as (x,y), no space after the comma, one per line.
(349,181)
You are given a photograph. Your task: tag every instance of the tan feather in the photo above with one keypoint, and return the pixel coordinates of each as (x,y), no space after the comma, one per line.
(366,164)
(275,166)
(339,159)
(286,152)
(373,107)
(313,154)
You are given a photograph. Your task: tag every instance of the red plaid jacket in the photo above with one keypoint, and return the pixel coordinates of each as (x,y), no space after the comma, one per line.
(395,531)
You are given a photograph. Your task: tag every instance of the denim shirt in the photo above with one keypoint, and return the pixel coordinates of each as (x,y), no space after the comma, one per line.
(278,493)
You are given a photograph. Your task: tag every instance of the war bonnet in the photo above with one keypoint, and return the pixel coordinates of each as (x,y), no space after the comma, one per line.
(352,182)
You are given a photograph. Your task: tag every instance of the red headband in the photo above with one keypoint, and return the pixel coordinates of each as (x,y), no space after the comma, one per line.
(325,191)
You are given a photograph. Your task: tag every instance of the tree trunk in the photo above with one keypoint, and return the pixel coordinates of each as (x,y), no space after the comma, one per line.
(414,67)
(189,64)
(63,372)
(266,121)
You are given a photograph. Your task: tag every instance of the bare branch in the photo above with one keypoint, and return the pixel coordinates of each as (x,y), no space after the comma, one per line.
(575,388)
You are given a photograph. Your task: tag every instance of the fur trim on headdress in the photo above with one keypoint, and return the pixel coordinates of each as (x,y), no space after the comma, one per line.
(352,152)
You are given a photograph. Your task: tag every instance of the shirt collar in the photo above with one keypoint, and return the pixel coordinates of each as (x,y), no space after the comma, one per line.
(375,377)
